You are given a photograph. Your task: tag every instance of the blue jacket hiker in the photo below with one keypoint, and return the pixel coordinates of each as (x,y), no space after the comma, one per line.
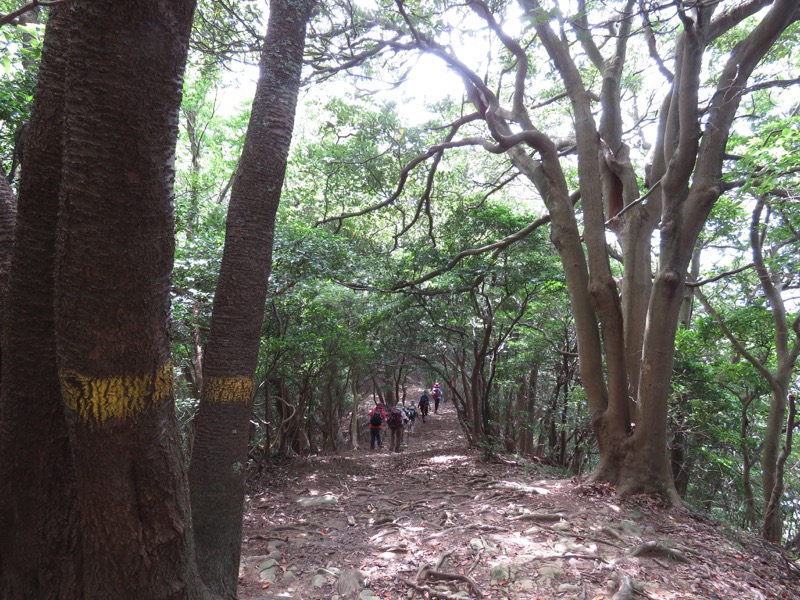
(424,402)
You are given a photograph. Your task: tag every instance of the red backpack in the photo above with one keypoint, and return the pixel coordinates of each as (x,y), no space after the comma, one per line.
(395,420)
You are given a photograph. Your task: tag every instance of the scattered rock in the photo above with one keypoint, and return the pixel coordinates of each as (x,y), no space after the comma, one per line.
(500,574)
(631,527)
(524,585)
(314,501)
(350,581)
(551,572)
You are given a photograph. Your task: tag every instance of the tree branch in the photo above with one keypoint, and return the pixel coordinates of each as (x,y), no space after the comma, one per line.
(694,284)
(9,18)
(497,247)
(404,173)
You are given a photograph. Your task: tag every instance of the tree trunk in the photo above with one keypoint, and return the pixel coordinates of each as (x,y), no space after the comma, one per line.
(217,470)
(115,252)
(40,554)
(354,412)
(773,523)
(747,462)
(283,405)
(8,216)
(531,387)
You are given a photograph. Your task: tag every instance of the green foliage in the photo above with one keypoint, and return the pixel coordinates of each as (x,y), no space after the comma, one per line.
(364,276)
(226,31)
(208,148)
(20,58)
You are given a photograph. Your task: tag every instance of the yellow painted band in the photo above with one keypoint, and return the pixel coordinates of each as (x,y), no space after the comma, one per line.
(228,389)
(96,400)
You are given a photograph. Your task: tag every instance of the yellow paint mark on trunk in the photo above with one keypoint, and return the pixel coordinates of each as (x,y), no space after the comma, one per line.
(96,400)
(228,389)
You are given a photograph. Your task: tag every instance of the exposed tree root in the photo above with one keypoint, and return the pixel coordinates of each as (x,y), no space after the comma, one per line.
(540,517)
(442,558)
(581,536)
(461,528)
(625,591)
(424,589)
(657,550)
(425,572)
(475,562)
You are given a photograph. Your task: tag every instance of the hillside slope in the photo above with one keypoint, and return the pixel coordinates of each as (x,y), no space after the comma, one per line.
(434,521)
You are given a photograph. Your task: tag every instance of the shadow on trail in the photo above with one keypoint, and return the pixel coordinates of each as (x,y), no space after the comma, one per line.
(435,521)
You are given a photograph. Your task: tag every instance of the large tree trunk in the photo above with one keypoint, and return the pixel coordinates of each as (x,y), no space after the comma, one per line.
(773,523)
(40,555)
(689,169)
(123,90)
(217,470)
(8,215)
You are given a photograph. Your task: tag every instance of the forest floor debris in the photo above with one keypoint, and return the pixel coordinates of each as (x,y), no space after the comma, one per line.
(436,521)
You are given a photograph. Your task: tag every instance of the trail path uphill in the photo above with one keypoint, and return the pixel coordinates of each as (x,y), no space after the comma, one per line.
(436,521)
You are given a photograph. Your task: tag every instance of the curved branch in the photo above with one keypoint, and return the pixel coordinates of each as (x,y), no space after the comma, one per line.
(581,27)
(518,101)
(497,247)
(771,291)
(782,83)
(652,46)
(404,173)
(694,284)
(729,20)
(726,99)
(9,18)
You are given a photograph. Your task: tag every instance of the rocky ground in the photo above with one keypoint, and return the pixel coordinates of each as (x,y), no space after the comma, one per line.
(435,521)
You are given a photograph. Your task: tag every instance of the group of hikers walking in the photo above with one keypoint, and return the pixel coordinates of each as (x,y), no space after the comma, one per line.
(400,419)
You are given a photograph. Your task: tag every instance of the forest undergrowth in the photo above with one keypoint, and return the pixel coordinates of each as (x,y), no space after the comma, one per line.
(438,521)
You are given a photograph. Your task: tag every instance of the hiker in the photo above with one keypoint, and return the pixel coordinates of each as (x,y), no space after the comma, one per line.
(424,402)
(376,419)
(395,424)
(437,396)
(411,422)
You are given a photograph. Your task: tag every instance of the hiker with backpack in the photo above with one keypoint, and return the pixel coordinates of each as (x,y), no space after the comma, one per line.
(424,402)
(395,423)
(437,396)
(411,422)
(376,419)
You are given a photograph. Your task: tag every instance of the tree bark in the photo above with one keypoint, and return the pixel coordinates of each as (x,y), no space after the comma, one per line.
(217,469)
(354,374)
(40,554)
(8,216)
(115,251)
(779,382)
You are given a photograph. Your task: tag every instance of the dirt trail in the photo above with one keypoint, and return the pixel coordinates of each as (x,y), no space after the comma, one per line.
(435,521)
